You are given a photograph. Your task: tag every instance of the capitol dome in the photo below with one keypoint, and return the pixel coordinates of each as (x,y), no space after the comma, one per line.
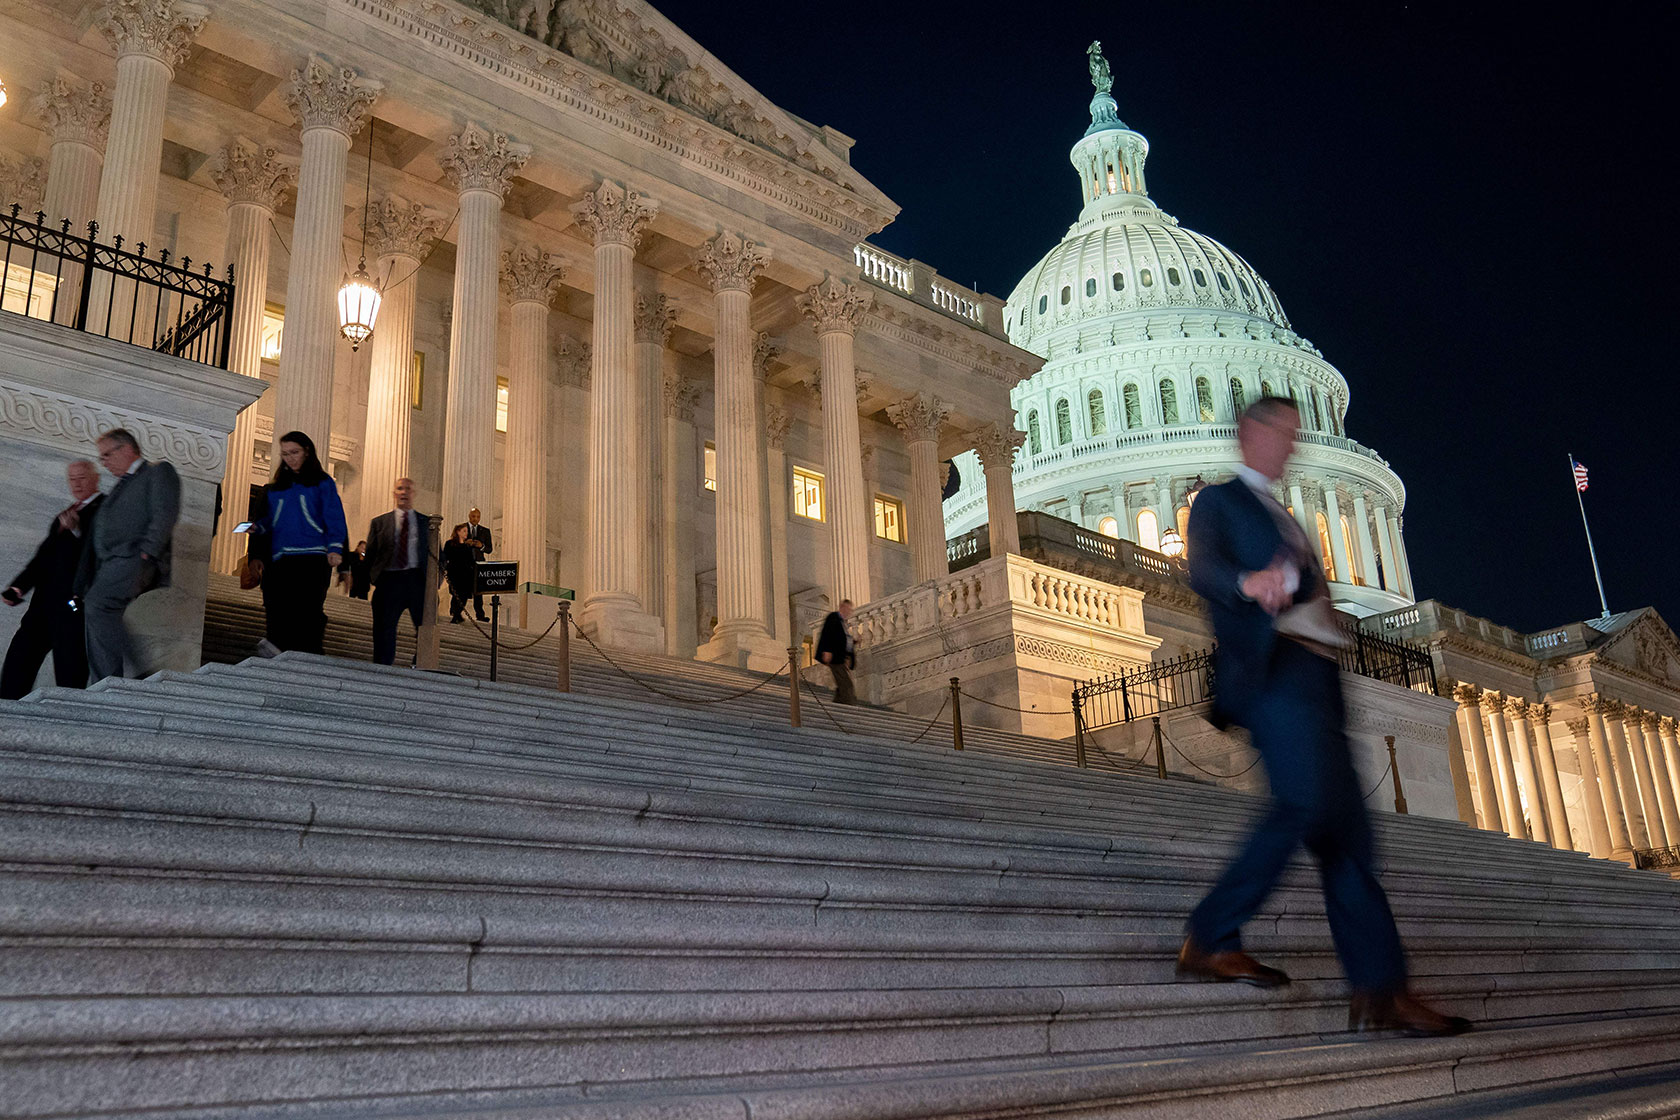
(1154,338)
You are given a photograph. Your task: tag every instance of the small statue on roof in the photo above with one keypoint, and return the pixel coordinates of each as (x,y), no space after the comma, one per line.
(1100,76)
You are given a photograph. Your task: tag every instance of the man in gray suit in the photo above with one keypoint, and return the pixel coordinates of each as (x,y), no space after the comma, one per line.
(130,551)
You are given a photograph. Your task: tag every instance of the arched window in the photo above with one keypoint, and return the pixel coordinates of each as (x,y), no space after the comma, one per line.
(1090,287)
(1094,409)
(1183,523)
(1237,404)
(1067,294)
(1109,527)
(1224,281)
(1043,304)
(1173,277)
(1347,546)
(1329,559)
(1064,423)
(1134,407)
(1265,387)
(1118,281)
(1204,401)
(1035,442)
(1169,402)
(1146,278)
(1200,277)
(1149,534)
(1318,420)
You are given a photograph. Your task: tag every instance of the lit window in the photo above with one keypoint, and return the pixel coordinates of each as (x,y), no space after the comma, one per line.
(1149,534)
(1173,277)
(1169,402)
(1184,523)
(1146,278)
(711,467)
(1324,549)
(807,493)
(1109,527)
(273,326)
(1204,400)
(889,519)
(418,393)
(1112,185)
(1035,442)
(28,291)
(501,403)
(1094,407)
(1118,281)
(1067,294)
(1090,287)
(1199,276)
(1347,546)
(1064,423)
(1134,407)
(1237,404)
(1043,304)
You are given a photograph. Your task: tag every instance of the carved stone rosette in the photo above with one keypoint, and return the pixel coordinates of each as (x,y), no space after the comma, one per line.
(400,228)
(251,173)
(321,95)
(77,114)
(731,263)
(997,445)
(572,357)
(654,318)
(530,275)
(919,417)
(610,214)
(835,305)
(162,29)
(681,394)
(481,160)
(765,351)
(777,421)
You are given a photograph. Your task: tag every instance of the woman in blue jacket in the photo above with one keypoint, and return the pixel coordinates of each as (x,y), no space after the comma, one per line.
(295,545)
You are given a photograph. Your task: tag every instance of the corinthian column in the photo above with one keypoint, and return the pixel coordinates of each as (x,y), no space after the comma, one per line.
(1510,797)
(835,309)
(920,417)
(680,487)
(996,447)
(1670,750)
(1338,546)
(330,105)
(1390,559)
(400,235)
(1648,724)
(615,218)
(1367,546)
(1650,805)
(1592,803)
(481,164)
(151,38)
(1486,784)
(742,636)
(1615,822)
(78,119)
(1528,770)
(252,179)
(1557,818)
(654,319)
(1627,782)
(529,275)
(777,421)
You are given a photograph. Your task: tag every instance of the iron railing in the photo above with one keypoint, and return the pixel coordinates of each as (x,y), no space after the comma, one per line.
(1390,660)
(50,273)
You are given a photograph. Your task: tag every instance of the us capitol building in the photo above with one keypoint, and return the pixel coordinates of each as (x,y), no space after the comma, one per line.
(1153,338)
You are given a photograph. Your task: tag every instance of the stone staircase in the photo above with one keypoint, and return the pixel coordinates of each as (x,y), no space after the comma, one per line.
(313,887)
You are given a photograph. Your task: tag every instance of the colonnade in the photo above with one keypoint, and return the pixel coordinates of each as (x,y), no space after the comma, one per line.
(1626,758)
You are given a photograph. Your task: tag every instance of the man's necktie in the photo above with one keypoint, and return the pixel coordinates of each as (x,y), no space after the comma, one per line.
(402,540)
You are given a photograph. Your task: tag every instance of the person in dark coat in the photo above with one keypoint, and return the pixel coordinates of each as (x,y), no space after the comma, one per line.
(360,568)
(1277,676)
(478,538)
(52,624)
(397,551)
(296,543)
(836,649)
(460,568)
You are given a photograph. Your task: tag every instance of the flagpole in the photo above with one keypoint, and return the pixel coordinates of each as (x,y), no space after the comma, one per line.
(1592,552)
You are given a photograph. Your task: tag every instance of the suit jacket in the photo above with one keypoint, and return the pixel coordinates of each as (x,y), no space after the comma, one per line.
(481,533)
(138,516)
(52,571)
(382,543)
(835,640)
(1232,533)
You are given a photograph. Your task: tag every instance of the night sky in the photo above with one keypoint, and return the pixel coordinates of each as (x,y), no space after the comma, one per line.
(1470,214)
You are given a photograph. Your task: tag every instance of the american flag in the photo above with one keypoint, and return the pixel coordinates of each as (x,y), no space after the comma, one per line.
(1580,475)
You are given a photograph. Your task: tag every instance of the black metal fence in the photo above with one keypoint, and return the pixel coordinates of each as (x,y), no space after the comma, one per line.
(51,273)
(1389,660)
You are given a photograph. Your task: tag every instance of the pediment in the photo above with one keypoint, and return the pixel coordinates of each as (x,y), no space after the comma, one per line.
(1645,645)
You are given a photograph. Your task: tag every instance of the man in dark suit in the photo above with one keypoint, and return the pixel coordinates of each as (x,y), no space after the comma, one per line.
(1271,615)
(836,650)
(51,624)
(478,538)
(129,551)
(396,557)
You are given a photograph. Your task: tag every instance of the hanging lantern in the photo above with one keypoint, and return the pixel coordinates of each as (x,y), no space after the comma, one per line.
(358,306)
(2,95)
(1172,545)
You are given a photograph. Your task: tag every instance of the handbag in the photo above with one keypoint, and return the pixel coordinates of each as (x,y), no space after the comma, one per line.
(249,575)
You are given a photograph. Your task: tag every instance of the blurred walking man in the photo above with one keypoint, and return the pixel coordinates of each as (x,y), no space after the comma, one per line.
(52,624)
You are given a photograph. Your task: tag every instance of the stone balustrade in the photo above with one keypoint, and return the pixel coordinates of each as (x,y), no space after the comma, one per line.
(883,268)
(921,283)
(1431,616)
(952,300)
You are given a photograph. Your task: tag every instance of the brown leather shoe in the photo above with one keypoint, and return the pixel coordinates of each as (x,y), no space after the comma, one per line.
(1231,967)
(1402,1012)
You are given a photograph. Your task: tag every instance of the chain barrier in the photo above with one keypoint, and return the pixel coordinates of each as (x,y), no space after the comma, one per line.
(671,695)
(943,704)
(514,649)
(1012,708)
(1205,770)
(816,695)
(1380,778)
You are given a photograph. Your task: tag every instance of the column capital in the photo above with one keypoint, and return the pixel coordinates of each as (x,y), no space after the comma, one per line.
(919,417)
(400,228)
(997,445)
(321,95)
(529,274)
(654,318)
(22,181)
(248,172)
(612,215)
(1651,720)
(1594,704)
(1468,695)
(573,358)
(777,421)
(481,160)
(681,393)
(1445,687)
(160,29)
(1612,709)
(1577,727)
(1518,707)
(81,114)
(1667,725)
(1539,713)
(835,305)
(765,351)
(730,263)
(1495,703)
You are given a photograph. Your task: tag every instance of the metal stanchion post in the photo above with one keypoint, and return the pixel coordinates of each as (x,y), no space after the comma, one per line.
(956,713)
(793,685)
(426,634)
(1160,749)
(495,627)
(1394,770)
(1078,731)
(563,679)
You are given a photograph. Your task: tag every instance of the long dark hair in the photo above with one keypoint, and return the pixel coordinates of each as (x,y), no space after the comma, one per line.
(311,472)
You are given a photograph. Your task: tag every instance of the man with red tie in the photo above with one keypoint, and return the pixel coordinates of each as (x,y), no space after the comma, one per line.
(51,624)
(396,560)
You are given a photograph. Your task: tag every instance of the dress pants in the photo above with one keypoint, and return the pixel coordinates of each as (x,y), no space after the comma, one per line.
(116,584)
(844,691)
(293,590)
(395,593)
(46,628)
(1297,725)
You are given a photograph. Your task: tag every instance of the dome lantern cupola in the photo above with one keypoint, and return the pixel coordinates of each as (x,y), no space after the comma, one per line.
(1110,156)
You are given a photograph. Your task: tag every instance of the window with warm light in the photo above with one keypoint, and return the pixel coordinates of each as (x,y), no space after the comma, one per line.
(1237,404)
(1347,546)
(1148,530)
(807,494)
(1169,402)
(1109,527)
(501,404)
(273,327)
(710,467)
(1204,401)
(1329,561)
(28,291)
(1035,441)
(889,518)
(418,394)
